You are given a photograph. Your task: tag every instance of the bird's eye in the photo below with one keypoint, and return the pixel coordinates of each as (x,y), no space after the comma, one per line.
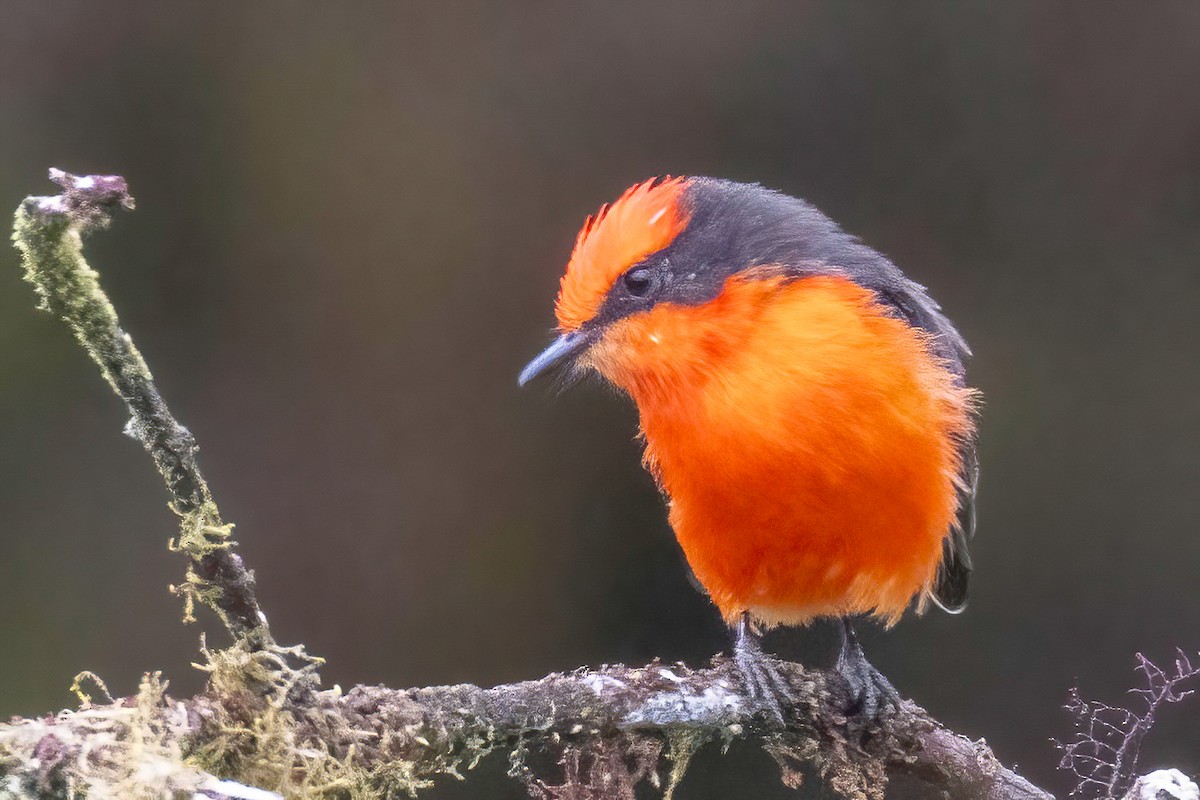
(639,281)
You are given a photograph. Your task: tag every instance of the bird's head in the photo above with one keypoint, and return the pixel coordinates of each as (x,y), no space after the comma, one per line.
(663,281)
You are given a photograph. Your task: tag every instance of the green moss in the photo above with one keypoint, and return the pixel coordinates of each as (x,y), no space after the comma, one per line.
(51,248)
(132,750)
(85,699)
(682,746)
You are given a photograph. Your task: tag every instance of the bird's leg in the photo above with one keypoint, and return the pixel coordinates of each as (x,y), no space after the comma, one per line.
(765,684)
(870,692)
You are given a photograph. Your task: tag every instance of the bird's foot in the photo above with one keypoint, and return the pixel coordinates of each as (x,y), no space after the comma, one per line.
(871,695)
(766,685)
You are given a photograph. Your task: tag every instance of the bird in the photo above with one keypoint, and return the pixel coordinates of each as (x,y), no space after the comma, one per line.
(802,403)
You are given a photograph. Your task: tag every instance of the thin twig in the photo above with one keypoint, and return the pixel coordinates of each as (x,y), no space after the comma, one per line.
(49,233)
(1103,755)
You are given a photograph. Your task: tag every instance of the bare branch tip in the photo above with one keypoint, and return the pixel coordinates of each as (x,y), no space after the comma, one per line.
(86,200)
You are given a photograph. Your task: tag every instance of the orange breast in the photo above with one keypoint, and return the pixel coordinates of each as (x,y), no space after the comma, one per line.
(806,439)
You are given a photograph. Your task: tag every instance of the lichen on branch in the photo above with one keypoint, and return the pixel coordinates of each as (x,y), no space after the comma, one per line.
(49,231)
(588,735)
(1103,755)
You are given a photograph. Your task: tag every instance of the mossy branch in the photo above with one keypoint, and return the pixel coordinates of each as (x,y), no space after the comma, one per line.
(262,722)
(49,233)
(587,735)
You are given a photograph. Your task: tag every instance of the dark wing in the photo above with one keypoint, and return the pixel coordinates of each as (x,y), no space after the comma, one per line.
(954,573)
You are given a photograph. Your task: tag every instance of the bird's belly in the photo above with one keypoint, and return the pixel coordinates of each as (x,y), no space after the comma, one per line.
(811,461)
(845,513)
(809,549)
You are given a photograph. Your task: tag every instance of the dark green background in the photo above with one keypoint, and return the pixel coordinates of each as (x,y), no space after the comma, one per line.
(352,220)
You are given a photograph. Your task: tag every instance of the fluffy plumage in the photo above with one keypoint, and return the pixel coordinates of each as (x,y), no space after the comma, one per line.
(802,401)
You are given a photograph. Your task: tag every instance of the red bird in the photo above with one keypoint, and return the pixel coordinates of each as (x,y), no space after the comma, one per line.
(802,402)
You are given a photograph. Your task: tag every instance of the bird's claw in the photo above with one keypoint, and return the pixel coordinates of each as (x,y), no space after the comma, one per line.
(871,694)
(766,685)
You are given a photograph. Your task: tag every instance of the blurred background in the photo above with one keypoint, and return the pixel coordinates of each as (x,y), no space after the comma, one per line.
(351,221)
